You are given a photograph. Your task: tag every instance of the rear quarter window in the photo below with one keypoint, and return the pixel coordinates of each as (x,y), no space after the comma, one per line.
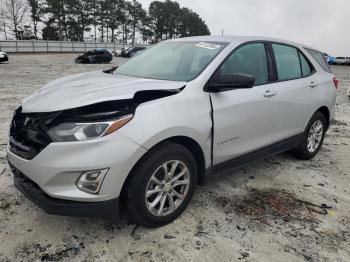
(320,59)
(306,66)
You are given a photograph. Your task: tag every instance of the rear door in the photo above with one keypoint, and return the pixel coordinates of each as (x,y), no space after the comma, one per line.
(244,119)
(297,88)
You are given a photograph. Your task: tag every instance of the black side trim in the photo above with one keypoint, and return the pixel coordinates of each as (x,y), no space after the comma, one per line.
(212,131)
(270,62)
(262,153)
(271,56)
(105,209)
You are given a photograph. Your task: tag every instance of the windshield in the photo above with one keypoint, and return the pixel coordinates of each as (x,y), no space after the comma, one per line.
(175,61)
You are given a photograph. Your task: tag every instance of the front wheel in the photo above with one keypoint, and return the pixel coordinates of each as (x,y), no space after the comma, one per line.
(313,137)
(162,185)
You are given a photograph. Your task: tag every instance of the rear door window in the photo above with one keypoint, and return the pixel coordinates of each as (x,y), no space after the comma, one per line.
(287,62)
(321,60)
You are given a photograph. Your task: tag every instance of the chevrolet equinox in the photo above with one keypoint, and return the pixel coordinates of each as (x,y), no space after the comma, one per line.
(144,134)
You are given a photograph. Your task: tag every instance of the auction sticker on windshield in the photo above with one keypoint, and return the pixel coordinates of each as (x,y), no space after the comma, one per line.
(208,45)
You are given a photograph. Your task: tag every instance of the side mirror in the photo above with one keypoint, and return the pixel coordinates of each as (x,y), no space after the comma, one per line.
(226,82)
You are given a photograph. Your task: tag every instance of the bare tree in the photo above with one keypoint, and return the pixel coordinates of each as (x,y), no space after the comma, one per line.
(15,12)
(35,15)
(137,17)
(2,20)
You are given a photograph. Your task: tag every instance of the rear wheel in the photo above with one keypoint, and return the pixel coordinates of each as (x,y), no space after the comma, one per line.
(313,137)
(162,185)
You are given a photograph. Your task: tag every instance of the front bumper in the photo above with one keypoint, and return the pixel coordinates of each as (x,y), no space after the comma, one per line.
(57,168)
(104,209)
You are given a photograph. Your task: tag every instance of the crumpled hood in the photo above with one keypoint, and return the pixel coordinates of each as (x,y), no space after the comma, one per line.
(90,88)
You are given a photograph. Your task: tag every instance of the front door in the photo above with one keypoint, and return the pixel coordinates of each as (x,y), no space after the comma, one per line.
(244,119)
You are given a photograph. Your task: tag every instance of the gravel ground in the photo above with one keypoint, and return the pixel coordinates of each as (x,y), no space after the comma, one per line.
(278,209)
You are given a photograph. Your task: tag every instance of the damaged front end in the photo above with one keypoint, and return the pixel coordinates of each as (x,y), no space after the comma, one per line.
(82,59)
(28,136)
(30,133)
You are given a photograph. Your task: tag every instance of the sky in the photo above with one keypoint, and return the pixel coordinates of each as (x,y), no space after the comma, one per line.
(323,24)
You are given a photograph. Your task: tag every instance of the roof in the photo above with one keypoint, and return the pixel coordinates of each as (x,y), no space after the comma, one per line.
(241,39)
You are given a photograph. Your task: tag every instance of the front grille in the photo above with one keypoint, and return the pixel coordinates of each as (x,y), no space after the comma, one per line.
(27,135)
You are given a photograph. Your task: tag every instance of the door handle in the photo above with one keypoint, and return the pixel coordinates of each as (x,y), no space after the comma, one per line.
(313,84)
(269,93)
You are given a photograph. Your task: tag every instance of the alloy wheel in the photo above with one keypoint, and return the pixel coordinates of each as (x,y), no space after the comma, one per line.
(167,188)
(315,136)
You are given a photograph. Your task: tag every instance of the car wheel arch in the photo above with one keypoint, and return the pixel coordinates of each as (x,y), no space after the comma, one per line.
(192,145)
(325,111)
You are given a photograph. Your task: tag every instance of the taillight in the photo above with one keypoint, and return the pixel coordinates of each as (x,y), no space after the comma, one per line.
(336,82)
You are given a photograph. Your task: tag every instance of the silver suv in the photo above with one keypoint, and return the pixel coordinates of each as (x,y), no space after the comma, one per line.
(143,135)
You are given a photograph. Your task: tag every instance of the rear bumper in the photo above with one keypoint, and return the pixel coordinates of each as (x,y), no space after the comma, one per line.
(104,209)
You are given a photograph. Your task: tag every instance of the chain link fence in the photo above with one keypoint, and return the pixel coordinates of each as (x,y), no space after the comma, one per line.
(41,46)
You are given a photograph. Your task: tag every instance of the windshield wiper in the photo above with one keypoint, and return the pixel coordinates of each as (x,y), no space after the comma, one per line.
(110,71)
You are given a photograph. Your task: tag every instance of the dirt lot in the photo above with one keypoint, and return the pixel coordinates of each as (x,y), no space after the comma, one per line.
(278,209)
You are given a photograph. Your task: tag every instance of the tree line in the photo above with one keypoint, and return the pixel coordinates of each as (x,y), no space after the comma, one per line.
(121,21)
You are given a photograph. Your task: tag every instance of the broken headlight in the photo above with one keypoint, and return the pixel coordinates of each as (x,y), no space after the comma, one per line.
(68,132)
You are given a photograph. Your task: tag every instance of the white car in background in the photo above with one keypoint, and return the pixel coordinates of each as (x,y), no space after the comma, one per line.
(340,61)
(118,52)
(146,133)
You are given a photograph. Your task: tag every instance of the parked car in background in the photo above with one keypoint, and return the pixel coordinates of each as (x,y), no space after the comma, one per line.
(96,56)
(119,51)
(146,133)
(131,51)
(340,61)
(347,60)
(330,59)
(3,57)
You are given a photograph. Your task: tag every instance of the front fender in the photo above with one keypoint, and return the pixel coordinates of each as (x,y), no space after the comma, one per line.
(172,116)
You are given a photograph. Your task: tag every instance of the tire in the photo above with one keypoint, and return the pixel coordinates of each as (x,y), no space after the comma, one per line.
(152,166)
(304,151)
